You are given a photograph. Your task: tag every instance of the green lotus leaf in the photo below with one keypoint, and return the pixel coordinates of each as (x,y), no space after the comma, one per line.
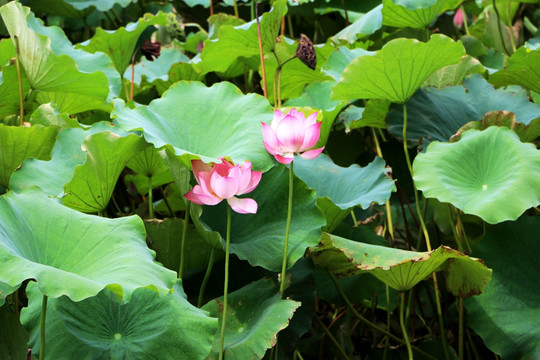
(526,133)
(255,314)
(9,90)
(346,187)
(521,69)
(18,143)
(48,115)
(228,124)
(101,5)
(13,337)
(295,75)
(74,254)
(120,44)
(340,58)
(241,41)
(401,269)
(7,52)
(437,114)
(414,14)
(164,238)
(397,70)
(148,164)
(506,316)
(56,77)
(454,74)
(53,174)
(102,327)
(489,173)
(373,115)
(5,290)
(366,25)
(93,182)
(258,238)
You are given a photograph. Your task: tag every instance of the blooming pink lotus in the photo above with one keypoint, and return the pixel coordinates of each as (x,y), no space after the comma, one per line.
(219,181)
(292,134)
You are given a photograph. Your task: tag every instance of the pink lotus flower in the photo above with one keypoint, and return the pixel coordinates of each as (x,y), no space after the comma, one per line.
(292,134)
(223,181)
(458,18)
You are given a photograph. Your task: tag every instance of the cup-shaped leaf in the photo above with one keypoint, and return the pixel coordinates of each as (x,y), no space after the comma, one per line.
(73,254)
(397,70)
(507,315)
(93,182)
(255,315)
(148,164)
(102,327)
(401,269)
(489,173)
(56,77)
(227,124)
(18,143)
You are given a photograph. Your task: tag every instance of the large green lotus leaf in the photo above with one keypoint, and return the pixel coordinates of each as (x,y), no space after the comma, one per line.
(454,74)
(414,14)
(295,75)
(74,254)
(93,182)
(165,239)
(255,314)
(340,58)
(48,115)
(5,290)
(179,71)
(120,44)
(397,70)
(366,25)
(258,238)
(148,327)
(149,164)
(401,269)
(506,316)
(51,175)
(101,5)
(9,90)
(56,77)
(227,125)
(236,41)
(346,187)
(13,337)
(437,114)
(489,173)
(86,62)
(521,69)
(18,143)
(7,52)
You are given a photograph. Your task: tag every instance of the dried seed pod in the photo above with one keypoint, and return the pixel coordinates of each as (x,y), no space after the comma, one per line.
(151,50)
(306,52)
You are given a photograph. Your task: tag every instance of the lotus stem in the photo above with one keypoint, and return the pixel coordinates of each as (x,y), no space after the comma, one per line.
(261,54)
(465,22)
(42,328)
(388,321)
(183,241)
(287,230)
(510,27)
(235,5)
(332,338)
(226,285)
(388,209)
(461,328)
(150,199)
(19,79)
(132,73)
(277,80)
(369,323)
(500,28)
(206,277)
(426,235)
(402,324)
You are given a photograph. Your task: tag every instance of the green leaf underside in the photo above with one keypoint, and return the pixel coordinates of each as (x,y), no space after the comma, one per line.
(73,254)
(368,24)
(255,315)
(55,77)
(18,143)
(93,182)
(397,70)
(193,130)
(437,114)
(401,269)
(506,316)
(9,90)
(101,327)
(241,41)
(259,238)
(489,173)
(66,154)
(414,14)
(346,187)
